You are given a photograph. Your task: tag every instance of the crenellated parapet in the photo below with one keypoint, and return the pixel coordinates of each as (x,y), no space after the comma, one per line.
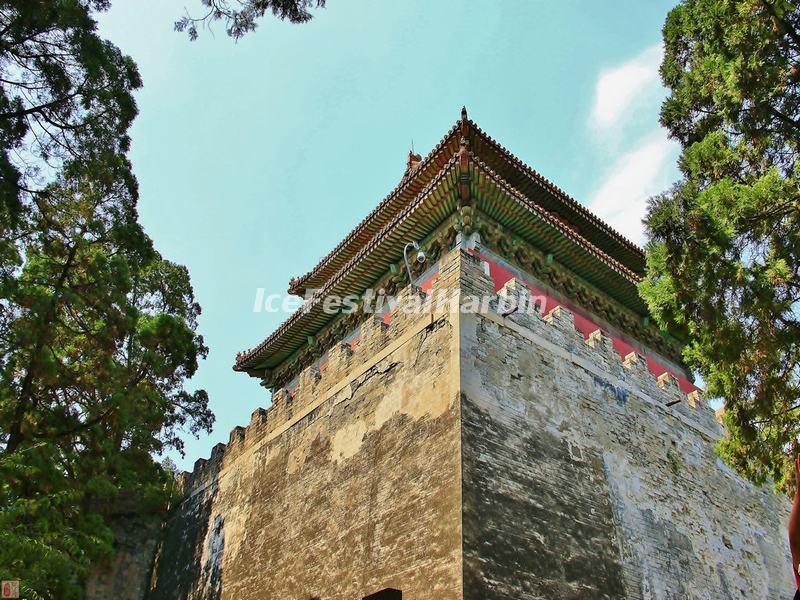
(558,327)
(547,269)
(461,274)
(334,365)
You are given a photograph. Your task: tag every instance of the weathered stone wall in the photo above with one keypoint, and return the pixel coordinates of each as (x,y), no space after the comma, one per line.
(579,481)
(350,485)
(475,456)
(125,575)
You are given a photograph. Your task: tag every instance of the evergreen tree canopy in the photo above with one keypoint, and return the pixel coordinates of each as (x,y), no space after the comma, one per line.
(241,16)
(724,250)
(97,330)
(65,95)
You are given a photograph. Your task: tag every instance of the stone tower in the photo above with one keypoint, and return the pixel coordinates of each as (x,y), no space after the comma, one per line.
(473,449)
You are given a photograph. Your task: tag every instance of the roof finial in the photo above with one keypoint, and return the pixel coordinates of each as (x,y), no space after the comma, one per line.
(413,161)
(464,159)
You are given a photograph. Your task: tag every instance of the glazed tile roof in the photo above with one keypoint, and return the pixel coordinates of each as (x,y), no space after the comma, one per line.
(529,182)
(501,186)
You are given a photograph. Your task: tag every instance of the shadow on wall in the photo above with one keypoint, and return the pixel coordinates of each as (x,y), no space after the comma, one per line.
(188,559)
(124,576)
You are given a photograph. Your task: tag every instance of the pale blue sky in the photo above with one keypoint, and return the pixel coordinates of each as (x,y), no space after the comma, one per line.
(255,158)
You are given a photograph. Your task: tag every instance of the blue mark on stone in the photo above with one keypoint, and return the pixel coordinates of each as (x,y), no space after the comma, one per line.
(618,393)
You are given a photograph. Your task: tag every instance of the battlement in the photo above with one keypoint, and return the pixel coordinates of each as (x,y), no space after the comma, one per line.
(296,403)
(558,326)
(460,275)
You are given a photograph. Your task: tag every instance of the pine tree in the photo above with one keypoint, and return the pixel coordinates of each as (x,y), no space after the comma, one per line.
(724,252)
(97,330)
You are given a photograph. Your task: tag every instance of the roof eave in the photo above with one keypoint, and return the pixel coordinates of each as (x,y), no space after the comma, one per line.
(343,283)
(602,233)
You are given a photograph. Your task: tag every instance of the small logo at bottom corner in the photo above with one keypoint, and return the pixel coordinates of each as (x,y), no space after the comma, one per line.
(9,589)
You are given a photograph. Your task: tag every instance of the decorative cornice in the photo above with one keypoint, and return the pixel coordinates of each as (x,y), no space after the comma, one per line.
(517,252)
(345,324)
(543,267)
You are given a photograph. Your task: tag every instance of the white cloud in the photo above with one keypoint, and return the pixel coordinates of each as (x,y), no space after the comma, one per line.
(648,169)
(625,118)
(620,88)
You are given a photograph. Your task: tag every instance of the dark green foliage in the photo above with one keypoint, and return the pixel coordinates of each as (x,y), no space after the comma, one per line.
(97,330)
(724,251)
(65,95)
(241,16)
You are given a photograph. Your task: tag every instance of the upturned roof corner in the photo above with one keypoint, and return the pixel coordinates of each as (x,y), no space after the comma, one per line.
(467,170)
(468,142)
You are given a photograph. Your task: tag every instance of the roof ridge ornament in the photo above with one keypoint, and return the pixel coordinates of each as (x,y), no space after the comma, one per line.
(414,160)
(464,159)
